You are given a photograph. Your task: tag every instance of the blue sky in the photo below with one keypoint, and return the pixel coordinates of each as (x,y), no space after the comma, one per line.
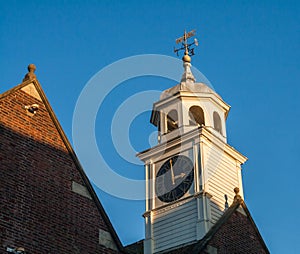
(249,50)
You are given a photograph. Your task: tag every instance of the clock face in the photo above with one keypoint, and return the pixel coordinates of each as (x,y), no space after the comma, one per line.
(174,178)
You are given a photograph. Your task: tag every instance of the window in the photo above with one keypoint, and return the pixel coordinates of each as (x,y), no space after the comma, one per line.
(172,120)
(217,122)
(196,116)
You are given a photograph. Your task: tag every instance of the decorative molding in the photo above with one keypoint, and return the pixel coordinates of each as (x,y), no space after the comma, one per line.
(173,205)
(208,195)
(106,239)
(211,250)
(81,190)
(203,133)
(31,90)
(199,194)
(147,214)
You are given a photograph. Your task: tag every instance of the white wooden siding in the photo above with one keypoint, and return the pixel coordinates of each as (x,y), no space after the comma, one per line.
(175,228)
(221,177)
(216,213)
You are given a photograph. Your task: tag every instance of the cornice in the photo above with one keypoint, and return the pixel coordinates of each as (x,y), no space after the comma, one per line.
(196,135)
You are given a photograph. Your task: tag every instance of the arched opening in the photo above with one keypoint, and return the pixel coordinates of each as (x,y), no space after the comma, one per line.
(217,122)
(172,120)
(196,116)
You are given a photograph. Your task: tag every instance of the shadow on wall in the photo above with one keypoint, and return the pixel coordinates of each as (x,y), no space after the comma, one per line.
(38,209)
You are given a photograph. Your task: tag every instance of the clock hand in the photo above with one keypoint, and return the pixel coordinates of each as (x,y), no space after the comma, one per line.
(172,172)
(179,176)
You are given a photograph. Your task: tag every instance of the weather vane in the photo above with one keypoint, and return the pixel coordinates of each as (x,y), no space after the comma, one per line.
(188,51)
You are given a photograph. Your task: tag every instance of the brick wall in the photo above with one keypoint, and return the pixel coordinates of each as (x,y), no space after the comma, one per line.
(237,236)
(38,209)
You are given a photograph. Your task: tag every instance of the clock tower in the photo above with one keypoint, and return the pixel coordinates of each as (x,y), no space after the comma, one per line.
(191,172)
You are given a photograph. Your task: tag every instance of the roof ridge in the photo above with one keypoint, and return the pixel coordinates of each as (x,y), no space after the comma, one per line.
(17,87)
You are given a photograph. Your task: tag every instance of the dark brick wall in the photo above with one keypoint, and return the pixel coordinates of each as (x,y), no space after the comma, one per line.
(237,236)
(38,210)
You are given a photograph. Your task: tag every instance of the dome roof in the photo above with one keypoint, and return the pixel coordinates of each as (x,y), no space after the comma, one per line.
(189,87)
(188,83)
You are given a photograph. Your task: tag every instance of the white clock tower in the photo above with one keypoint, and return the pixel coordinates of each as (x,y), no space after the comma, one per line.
(191,172)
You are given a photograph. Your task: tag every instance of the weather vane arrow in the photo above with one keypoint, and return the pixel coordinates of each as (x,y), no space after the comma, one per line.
(187,47)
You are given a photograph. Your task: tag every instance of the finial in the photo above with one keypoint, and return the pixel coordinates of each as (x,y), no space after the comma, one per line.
(30,75)
(188,51)
(237,197)
(226,201)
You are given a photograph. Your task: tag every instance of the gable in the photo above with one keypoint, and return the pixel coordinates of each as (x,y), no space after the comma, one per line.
(237,235)
(46,201)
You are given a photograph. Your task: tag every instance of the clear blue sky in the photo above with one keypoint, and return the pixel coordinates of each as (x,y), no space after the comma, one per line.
(249,50)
